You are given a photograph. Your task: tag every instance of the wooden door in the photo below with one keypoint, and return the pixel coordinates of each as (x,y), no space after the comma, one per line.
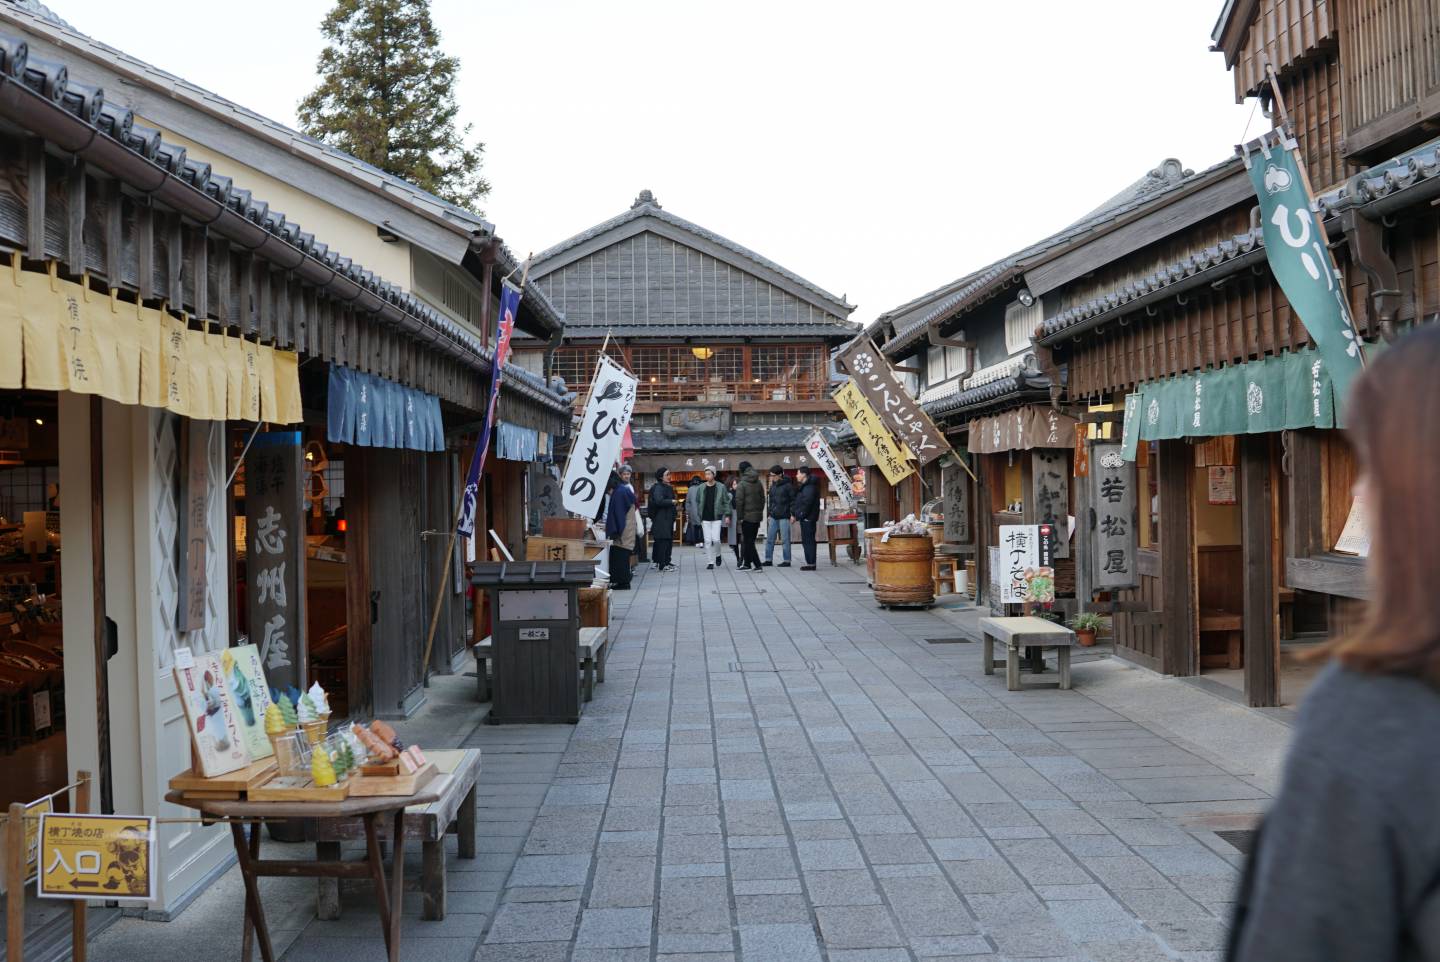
(395,492)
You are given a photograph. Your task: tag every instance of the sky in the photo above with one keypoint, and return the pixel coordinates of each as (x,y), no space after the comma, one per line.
(879,150)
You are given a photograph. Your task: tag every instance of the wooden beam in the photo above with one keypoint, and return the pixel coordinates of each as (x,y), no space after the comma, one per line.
(35,199)
(1180,637)
(1328,574)
(114,232)
(174,262)
(225,285)
(1305,522)
(200,258)
(145,250)
(75,221)
(1260,620)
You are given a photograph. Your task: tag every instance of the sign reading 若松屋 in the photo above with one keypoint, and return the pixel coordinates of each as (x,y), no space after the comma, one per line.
(275,555)
(822,455)
(597,444)
(890,457)
(901,413)
(1114,517)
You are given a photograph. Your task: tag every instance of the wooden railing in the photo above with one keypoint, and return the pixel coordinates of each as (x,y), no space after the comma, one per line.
(1391,62)
(729,392)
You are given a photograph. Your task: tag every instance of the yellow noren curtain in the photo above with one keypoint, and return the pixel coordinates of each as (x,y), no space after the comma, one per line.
(56,335)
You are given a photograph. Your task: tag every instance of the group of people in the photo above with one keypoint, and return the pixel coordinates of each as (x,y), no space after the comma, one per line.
(745,503)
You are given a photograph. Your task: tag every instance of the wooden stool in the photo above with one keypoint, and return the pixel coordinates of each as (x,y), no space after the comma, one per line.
(942,575)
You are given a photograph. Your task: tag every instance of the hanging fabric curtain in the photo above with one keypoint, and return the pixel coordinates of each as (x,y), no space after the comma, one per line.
(516,443)
(372,412)
(1282,392)
(67,337)
(1031,426)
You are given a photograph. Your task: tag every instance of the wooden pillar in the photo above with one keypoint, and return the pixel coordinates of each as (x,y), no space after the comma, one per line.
(1305,522)
(1261,619)
(359,615)
(1180,625)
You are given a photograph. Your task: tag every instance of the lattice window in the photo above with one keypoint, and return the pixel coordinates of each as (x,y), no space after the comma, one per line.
(576,365)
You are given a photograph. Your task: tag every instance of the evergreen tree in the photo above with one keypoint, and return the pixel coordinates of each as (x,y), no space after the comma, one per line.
(387,96)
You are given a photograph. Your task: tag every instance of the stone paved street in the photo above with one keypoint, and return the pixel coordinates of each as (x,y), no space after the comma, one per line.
(775,769)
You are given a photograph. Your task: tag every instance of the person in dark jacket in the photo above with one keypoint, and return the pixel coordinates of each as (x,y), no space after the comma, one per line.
(662,520)
(806,509)
(777,511)
(750,509)
(622,523)
(1347,863)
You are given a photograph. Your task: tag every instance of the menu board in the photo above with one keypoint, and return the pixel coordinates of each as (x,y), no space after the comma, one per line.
(1355,537)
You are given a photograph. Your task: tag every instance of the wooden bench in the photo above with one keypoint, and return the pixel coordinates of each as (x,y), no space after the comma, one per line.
(453,812)
(1229,627)
(1025,632)
(591,651)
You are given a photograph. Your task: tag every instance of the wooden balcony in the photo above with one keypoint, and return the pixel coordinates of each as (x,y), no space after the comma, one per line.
(1390,57)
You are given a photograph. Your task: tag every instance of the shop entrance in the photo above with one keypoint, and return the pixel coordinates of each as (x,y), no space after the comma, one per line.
(1215,512)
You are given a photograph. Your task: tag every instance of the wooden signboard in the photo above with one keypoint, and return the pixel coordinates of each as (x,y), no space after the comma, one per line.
(275,555)
(900,413)
(194,517)
(955,489)
(1050,490)
(1114,518)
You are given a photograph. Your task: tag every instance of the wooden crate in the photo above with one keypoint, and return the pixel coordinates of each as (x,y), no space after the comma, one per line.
(231,785)
(298,788)
(595,607)
(555,549)
(365,786)
(572,529)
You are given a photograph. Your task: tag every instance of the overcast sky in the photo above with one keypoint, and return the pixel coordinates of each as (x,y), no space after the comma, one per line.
(877,149)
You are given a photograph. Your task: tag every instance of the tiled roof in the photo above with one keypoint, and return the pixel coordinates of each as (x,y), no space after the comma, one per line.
(829,331)
(647,206)
(1384,180)
(751,438)
(1019,387)
(1157,183)
(117,123)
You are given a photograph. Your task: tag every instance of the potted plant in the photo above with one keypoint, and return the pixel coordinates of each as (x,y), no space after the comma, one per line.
(1086,624)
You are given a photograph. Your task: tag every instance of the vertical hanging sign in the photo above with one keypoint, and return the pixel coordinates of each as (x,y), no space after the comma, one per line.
(509,305)
(1019,559)
(1299,255)
(275,556)
(597,443)
(1114,517)
(901,414)
(821,453)
(1050,489)
(194,523)
(955,489)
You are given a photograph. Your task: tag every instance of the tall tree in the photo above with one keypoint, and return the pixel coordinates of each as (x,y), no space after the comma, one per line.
(387,96)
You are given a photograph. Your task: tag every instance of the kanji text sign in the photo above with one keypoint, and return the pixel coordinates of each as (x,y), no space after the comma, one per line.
(820,452)
(890,457)
(1050,489)
(597,443)
(899,412)
(275,555)
(1114,517)
(1019,557)
(96,857)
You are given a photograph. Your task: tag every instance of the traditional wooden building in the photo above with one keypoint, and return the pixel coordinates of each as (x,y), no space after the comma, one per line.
(732,350)
(1244,480)
(136,211)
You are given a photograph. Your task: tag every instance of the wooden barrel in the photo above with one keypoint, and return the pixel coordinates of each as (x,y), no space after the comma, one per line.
(902,570)
(872,538)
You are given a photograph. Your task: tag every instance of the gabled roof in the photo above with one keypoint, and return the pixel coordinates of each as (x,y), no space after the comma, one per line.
(1168,179)
(646,211)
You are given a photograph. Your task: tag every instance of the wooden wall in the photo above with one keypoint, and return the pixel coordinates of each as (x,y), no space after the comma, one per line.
(1134,638)
(1282,33)
(1312,96)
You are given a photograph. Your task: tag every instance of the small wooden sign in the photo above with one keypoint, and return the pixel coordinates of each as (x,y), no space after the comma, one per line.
(97,856)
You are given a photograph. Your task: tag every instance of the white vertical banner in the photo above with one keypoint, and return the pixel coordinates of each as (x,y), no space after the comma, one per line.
(1019,556)
(820,452)
(597,443)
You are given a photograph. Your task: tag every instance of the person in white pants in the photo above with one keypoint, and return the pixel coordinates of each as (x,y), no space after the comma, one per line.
(709,504)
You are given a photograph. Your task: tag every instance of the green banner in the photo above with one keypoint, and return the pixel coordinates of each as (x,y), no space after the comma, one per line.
(1299,257)
(1290,390)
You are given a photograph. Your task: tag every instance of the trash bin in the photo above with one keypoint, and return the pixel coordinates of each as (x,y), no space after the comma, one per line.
(535,630)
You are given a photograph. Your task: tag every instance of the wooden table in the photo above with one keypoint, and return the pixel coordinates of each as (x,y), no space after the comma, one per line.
(1025,632)
(454,811)
(371,810)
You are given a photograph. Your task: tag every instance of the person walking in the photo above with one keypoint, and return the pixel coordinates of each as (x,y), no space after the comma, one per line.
(622,524)
(1346,865)
(661,508)
(732,524)
(750,506)
(709,505)
(777,510)
(806,509)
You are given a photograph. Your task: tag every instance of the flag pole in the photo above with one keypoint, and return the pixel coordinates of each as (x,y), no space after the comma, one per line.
(459,510)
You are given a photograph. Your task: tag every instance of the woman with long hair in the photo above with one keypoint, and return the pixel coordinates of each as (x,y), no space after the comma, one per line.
(1346,867)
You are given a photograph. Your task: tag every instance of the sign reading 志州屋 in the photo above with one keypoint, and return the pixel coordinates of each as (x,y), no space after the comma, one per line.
(891,458)
(1299,256)
(824,457)
(597,443)
(899,412)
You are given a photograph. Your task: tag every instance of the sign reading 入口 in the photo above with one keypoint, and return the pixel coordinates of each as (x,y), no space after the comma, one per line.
(96,856)
(1114,517)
